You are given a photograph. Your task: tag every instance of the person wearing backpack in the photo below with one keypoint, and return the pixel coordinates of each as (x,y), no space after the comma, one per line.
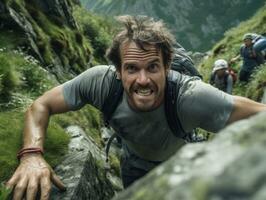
(142,54)
(221,78)
(259,46)
(251,58)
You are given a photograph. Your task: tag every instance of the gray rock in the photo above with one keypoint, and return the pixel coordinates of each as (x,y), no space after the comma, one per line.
(83,171)
(231,166)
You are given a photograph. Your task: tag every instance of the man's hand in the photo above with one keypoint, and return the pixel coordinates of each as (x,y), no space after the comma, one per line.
(33,173)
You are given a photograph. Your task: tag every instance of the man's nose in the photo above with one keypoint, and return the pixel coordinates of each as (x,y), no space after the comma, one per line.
(143,78)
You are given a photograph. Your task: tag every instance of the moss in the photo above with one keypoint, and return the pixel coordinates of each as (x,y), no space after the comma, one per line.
(200,189)
(10,39)
(74,49)
(56,143)
(58,45)
(88,118)
(115,164)
(97,29)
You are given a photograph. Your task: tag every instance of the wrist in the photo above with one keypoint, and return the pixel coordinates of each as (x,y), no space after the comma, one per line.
(30,150)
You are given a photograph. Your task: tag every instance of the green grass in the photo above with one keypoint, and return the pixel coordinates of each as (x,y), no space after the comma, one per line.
(10,141)
(4,192)
(9,77)
(229,47)
(98,30)
(23,79)
(258,82)
(11,128)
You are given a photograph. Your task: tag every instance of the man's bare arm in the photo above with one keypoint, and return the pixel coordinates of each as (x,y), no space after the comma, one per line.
(244,108)
(37,116)
(33,170)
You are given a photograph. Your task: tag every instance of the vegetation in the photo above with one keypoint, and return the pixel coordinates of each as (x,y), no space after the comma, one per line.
(23,78)
(97,30)
(229,47)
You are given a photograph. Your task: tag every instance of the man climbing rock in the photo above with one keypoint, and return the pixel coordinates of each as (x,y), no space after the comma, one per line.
(141,53)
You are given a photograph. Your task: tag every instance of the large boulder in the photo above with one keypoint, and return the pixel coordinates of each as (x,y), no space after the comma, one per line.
(231,166)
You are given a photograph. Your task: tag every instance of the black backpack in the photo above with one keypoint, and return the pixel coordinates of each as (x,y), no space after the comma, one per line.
(181,63)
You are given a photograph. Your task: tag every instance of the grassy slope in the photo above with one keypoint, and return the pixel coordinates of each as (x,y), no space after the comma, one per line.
(23,79)
(229,47)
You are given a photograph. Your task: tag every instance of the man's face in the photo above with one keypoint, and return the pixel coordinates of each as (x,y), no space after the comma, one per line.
(220,72)
(248,42)
(143,76)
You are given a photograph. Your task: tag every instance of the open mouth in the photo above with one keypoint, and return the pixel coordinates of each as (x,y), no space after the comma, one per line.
(144,92)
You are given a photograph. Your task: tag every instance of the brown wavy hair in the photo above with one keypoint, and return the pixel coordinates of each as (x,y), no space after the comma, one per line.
(142,30)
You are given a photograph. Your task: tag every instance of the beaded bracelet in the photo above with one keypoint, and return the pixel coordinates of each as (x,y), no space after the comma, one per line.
(29,150)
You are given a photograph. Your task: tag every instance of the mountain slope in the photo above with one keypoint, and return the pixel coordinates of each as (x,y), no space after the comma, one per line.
(229,47)
(197,25)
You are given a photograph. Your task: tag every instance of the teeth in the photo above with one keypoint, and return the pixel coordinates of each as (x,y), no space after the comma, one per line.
(143,92)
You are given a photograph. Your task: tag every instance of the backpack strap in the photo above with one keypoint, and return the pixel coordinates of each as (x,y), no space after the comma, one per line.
(171,94)
(108,146)
(172,91)
(114,96)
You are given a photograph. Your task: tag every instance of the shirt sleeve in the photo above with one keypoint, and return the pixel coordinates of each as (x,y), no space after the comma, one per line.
(201,105)
(90,87)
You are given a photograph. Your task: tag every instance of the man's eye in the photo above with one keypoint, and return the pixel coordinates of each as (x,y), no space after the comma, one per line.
(153,67)
(131,68)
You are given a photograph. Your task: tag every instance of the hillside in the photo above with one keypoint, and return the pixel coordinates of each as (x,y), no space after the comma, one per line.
(229,47)
(197,25)
(42,45)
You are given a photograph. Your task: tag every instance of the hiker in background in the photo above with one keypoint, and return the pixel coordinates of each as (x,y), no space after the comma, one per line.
(250,59)
(220,76)
(259,46)
(142,54)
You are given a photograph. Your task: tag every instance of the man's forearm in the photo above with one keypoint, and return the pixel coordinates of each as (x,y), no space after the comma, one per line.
(36,122)
(244,107)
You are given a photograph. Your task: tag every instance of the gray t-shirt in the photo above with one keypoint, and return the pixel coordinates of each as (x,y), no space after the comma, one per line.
(147,134)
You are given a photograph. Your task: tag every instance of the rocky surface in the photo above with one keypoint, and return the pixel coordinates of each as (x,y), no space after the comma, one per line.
(231,166)
(46,30)
(84,171)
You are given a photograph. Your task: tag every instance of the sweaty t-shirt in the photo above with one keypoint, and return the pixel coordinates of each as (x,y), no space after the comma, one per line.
(147,134)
